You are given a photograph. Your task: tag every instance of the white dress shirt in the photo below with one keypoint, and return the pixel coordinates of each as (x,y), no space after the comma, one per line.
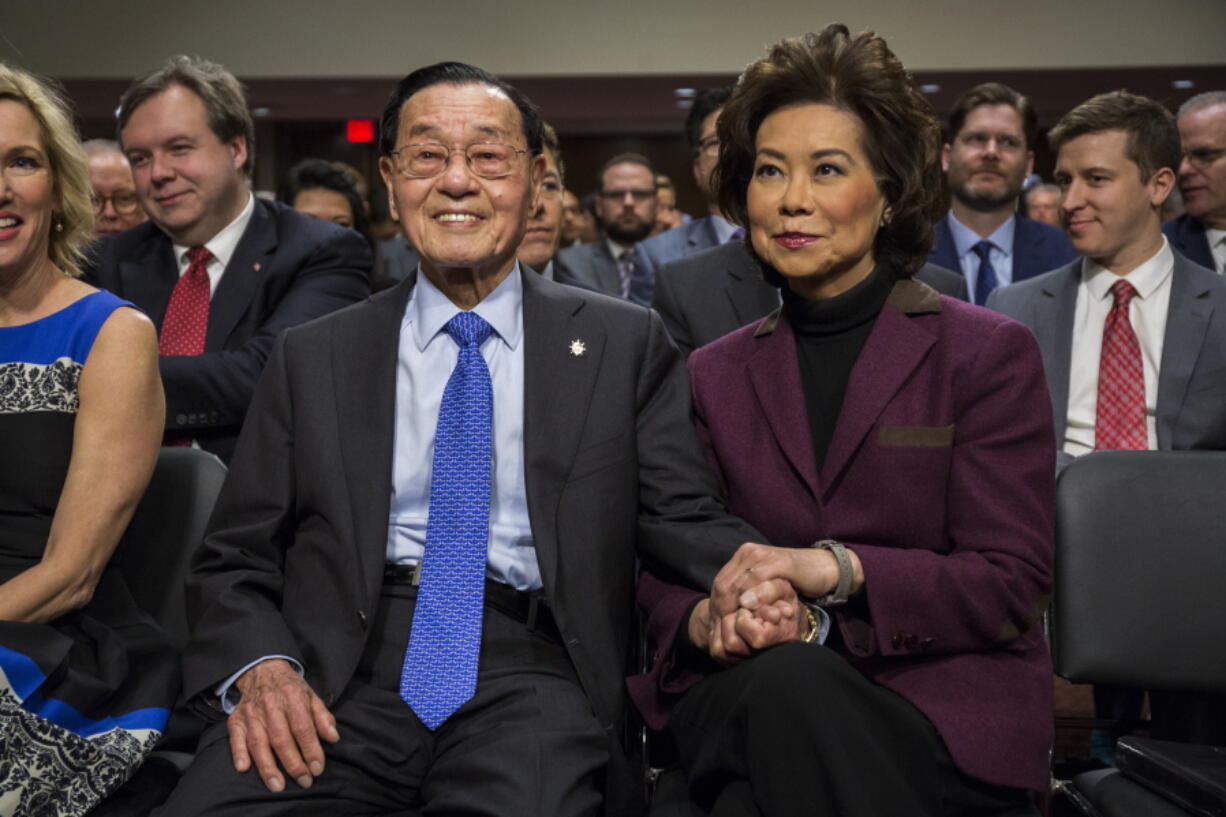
(1147,314)
(1217,248)
(222,246)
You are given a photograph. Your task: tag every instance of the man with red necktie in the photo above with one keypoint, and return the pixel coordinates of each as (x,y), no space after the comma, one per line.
(220,272)
(1133,334)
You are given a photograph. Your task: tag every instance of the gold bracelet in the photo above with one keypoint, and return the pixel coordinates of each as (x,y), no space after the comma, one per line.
(811,636)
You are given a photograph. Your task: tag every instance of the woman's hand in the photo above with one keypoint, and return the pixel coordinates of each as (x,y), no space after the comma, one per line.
(772,615)
(812,572)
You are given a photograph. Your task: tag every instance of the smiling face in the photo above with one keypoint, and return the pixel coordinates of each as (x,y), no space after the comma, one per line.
(987,160)
(189,181)
(544,232)
(1111,215)
(27,198)
(1202,173)
(457,220)
(813,200)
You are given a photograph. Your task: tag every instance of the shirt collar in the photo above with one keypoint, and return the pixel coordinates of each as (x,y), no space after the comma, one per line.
(223,245)
(616,249)
(429,309)
(1145,279)
(965,238)
(723,228)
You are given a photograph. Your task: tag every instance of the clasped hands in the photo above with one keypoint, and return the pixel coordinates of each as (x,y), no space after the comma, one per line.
(755,600)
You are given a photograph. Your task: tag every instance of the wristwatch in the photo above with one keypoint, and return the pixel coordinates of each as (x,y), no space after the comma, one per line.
(842,589)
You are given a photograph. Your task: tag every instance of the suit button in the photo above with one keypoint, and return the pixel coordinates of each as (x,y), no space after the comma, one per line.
(896,641)
(180,419)
(572,642)
(362,618)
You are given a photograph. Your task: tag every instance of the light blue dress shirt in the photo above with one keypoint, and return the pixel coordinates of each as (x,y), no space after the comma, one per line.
(1002,251)
(427,356)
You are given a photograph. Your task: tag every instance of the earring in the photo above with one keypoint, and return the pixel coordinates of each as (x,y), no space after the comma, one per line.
(886,215)
(59,223)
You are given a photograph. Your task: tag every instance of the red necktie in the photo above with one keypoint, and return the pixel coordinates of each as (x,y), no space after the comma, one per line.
(1120,422)
(187,314)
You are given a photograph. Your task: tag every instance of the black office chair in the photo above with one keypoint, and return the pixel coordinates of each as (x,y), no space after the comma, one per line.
(1140,564)
(153,556)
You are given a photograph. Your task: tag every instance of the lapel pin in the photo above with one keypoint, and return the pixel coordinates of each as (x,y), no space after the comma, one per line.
(577,348)
(256,268)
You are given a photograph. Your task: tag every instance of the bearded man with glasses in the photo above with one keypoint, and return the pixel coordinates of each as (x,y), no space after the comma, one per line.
(415,595)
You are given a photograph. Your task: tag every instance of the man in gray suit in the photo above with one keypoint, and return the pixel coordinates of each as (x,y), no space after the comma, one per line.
(1133,335)
(626,207)
(564,455)
(701,233)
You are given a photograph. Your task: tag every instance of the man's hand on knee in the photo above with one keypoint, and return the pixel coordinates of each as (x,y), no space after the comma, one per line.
(279,718)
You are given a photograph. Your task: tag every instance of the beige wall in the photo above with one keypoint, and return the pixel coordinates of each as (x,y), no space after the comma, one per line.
(262,38)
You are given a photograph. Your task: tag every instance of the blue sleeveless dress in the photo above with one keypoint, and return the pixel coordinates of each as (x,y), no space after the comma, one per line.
(83,698)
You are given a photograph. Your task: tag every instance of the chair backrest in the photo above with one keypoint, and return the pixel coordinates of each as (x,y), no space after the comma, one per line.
(168,525)
(1141,570)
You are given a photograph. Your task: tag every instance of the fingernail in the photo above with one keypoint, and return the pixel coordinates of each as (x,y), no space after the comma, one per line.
(304,781)
(274,784)
(317,768)
(749,599)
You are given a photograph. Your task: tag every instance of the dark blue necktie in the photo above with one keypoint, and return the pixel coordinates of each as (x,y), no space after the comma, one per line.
(440,665)
(986,281)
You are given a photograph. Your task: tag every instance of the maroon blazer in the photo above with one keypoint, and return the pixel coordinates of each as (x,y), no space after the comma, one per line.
(940,476)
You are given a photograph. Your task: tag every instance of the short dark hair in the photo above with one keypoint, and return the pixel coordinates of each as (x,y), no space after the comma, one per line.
(624,158)
(456,73)
(319,174)
(708,101)
(901,137)
(224,100)
(994,93)
(1153,138)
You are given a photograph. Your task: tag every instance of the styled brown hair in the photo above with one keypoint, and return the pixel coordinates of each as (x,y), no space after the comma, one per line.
(994,93)
(1153,137)
(900,133)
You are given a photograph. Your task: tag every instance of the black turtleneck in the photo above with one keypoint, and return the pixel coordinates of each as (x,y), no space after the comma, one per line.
(829,336)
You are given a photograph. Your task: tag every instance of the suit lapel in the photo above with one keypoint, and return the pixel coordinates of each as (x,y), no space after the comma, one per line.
(1027,249)
(1186,324)
(774,371)
(149,279)
(944,253)
(895,348)
(559,380)
(364,362)
(606,268)
(248,267)
(749,296)
(1053,327)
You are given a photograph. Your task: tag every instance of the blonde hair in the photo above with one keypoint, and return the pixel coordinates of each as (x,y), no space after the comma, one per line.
(74,214)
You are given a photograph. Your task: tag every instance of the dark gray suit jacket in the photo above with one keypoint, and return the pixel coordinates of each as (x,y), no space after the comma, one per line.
(292,563)
(591,266)
(672,245)
(1191,404)
(706,296)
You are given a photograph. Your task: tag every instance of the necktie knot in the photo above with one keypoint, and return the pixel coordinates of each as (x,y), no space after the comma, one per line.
(198,258)
(1123,293)
(737,234)
(984,250)
(468,329)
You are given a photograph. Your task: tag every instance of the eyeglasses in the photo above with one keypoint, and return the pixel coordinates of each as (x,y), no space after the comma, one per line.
(620,195)
(124,201)
(1202,157)
(489,160)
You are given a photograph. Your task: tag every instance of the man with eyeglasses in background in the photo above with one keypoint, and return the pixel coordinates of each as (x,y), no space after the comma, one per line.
(989,153)
(626,208)
(1200,233)
(416,592)
(116,207)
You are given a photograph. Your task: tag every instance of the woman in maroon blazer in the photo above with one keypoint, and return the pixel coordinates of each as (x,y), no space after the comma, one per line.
(896,447)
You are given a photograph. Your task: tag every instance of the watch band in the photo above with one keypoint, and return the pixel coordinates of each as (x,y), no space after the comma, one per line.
(842,589)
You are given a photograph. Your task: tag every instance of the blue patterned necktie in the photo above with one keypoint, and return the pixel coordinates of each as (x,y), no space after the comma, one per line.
(440,665)
(986,281)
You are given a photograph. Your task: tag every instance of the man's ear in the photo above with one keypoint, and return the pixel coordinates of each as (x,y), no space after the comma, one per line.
(536,177)
(1160,186)
(388,173)
(238,150)
(945,158)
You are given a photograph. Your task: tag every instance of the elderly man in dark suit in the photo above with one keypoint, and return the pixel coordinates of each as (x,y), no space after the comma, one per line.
(990,151)
(219,272)
(1200,233)
(1133,335)
(708,295)
(467,464)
